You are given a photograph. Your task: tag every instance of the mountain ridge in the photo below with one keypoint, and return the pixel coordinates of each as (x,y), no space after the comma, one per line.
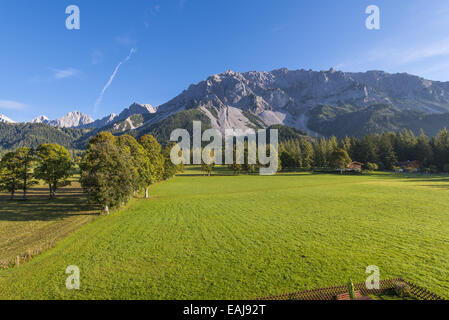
(319,103)
(233,100)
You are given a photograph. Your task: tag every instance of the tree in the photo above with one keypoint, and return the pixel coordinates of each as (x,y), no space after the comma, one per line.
(321,153)
(106,173)
(372,166)
(156,161)
(26,160)
(406,142)
(332,145)
(287,161)
(249,166)
(170,169)
(54,166)
(441,144)
(307,153)
(208,168)
(10,170)
(339,159)
(237,168)
(366,150)
(141,166)
(423,150)
(293,148)
(387,155)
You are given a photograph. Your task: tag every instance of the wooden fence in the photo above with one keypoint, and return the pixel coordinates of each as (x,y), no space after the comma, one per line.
(385,286)
(21,259)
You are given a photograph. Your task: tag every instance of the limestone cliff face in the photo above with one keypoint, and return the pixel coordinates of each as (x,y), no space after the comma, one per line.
(244,100)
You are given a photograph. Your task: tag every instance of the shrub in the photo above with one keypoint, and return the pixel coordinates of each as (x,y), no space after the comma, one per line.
(410,170)
(372,166)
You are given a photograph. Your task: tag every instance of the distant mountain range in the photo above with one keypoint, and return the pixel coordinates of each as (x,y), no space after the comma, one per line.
(74,119)
(80,120)
(318,103)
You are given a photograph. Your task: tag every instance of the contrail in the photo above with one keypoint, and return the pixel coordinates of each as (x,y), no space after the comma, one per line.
(100,98)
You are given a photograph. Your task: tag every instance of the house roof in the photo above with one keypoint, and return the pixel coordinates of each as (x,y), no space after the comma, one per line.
(408,163)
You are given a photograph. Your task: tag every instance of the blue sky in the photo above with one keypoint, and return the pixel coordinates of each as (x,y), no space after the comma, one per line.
(166,45)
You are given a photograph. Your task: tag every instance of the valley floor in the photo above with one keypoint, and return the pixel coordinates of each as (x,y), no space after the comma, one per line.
(243,237)
(36,224)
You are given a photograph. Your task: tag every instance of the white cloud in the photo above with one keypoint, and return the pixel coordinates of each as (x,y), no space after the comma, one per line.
(64,73)
(387,56)
(111,78)
(436,49)
(11,105)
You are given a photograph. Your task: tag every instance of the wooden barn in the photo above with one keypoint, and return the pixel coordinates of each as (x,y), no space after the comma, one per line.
(354,166)
(409,165)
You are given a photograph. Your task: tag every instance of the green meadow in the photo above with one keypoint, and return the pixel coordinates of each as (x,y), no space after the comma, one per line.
(243,237)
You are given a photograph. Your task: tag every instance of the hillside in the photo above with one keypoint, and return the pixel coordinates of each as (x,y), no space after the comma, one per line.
(13,136)
(344,121)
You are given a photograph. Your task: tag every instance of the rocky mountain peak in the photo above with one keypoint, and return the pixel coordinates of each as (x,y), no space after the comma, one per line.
(40,119)
(72,120)
(135,108)
(5,119)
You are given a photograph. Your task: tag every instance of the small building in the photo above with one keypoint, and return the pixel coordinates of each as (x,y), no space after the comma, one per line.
(354,166)
(408,166)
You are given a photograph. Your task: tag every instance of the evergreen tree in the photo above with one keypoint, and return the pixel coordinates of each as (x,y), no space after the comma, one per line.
(405,145)
(441,144)
(387,155)
(321,152)
(287,161)
(366,150)
(307,153)
(423,150)
(332,145)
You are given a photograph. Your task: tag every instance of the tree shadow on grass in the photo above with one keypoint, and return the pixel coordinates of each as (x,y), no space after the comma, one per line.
(39,207)
(436,182)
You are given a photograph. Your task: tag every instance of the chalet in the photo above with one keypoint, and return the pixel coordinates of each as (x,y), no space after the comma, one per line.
(409,165)
(354,166)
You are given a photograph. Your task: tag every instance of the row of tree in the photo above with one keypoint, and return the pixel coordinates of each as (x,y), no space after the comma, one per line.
(114,169)
(384,151)
(21,169)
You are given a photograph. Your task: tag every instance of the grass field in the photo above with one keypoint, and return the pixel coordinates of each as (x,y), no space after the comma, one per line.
(226,237)
(38,222)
